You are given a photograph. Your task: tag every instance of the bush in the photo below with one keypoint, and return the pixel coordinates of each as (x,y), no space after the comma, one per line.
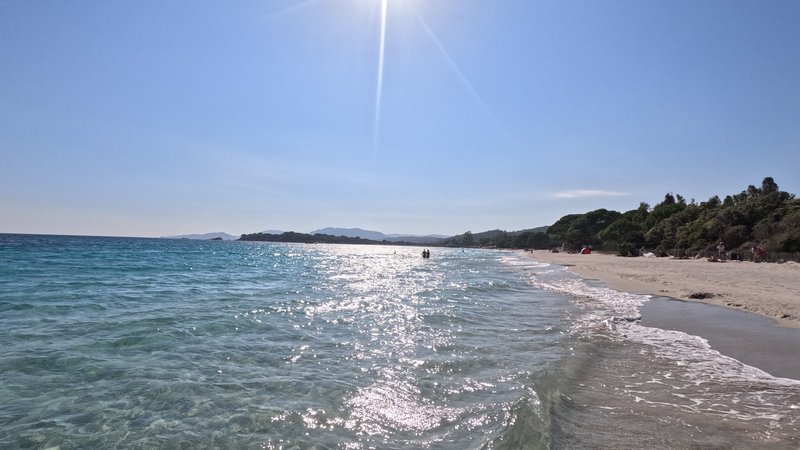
(627,249)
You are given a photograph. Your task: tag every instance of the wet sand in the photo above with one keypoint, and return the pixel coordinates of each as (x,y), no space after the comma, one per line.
(768,289)
(739,319)
(751,339)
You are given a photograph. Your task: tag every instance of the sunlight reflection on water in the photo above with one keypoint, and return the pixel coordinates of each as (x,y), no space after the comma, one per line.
(197,344)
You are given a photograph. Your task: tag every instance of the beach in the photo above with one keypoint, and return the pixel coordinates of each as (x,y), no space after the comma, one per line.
(767,289)
(743,301)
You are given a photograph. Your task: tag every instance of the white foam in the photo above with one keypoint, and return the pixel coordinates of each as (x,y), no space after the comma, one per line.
(617,314)
(687,373)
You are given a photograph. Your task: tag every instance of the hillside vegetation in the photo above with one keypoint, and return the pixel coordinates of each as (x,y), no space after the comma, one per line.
(762,215)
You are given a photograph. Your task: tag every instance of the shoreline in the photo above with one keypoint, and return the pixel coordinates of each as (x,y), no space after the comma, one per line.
(770,290)
(744,319)
(749,338)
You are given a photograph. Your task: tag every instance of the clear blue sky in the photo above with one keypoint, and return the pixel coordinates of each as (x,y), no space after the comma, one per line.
(151,118)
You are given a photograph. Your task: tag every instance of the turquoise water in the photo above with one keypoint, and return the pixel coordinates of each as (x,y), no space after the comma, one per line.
(155,343)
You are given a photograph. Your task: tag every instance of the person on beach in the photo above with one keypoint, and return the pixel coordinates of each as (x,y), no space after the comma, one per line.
(758,253)
(721,250)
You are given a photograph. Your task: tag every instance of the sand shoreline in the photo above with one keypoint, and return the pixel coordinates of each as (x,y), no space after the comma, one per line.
(768,289)
(750,338)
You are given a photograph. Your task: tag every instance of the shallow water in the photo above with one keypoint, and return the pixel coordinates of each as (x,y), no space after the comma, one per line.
(635,386)
(132,343)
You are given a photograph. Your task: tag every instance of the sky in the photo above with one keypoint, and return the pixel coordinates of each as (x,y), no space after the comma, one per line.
(153,118)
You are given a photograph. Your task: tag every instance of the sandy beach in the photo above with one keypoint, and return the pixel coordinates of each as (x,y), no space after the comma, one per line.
(769,289)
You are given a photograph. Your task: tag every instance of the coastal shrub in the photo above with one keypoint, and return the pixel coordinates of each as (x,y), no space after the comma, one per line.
(764,215)
(535,240)
(576,230)
(735,236)
(627,249)
(623,230)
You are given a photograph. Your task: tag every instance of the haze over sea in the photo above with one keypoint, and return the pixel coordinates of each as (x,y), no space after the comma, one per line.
(159,343)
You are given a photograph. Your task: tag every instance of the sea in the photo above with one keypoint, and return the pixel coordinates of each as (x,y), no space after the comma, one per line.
(161,343)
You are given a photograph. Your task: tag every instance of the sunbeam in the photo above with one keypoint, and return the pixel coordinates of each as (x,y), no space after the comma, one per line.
(379,88)
(461,77)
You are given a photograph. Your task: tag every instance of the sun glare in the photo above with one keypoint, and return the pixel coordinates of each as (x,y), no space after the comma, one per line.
(410,8)
(379,88)
(381,58)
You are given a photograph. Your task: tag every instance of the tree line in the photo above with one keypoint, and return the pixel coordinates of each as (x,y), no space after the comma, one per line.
(764,216)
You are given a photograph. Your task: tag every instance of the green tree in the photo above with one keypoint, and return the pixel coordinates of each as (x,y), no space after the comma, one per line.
(763,214)
(623,231)
(534,240)
(576,230)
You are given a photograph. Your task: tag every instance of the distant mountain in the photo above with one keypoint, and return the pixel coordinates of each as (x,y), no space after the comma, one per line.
(427,236)
(351,232)
(206,237)
(378,236)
